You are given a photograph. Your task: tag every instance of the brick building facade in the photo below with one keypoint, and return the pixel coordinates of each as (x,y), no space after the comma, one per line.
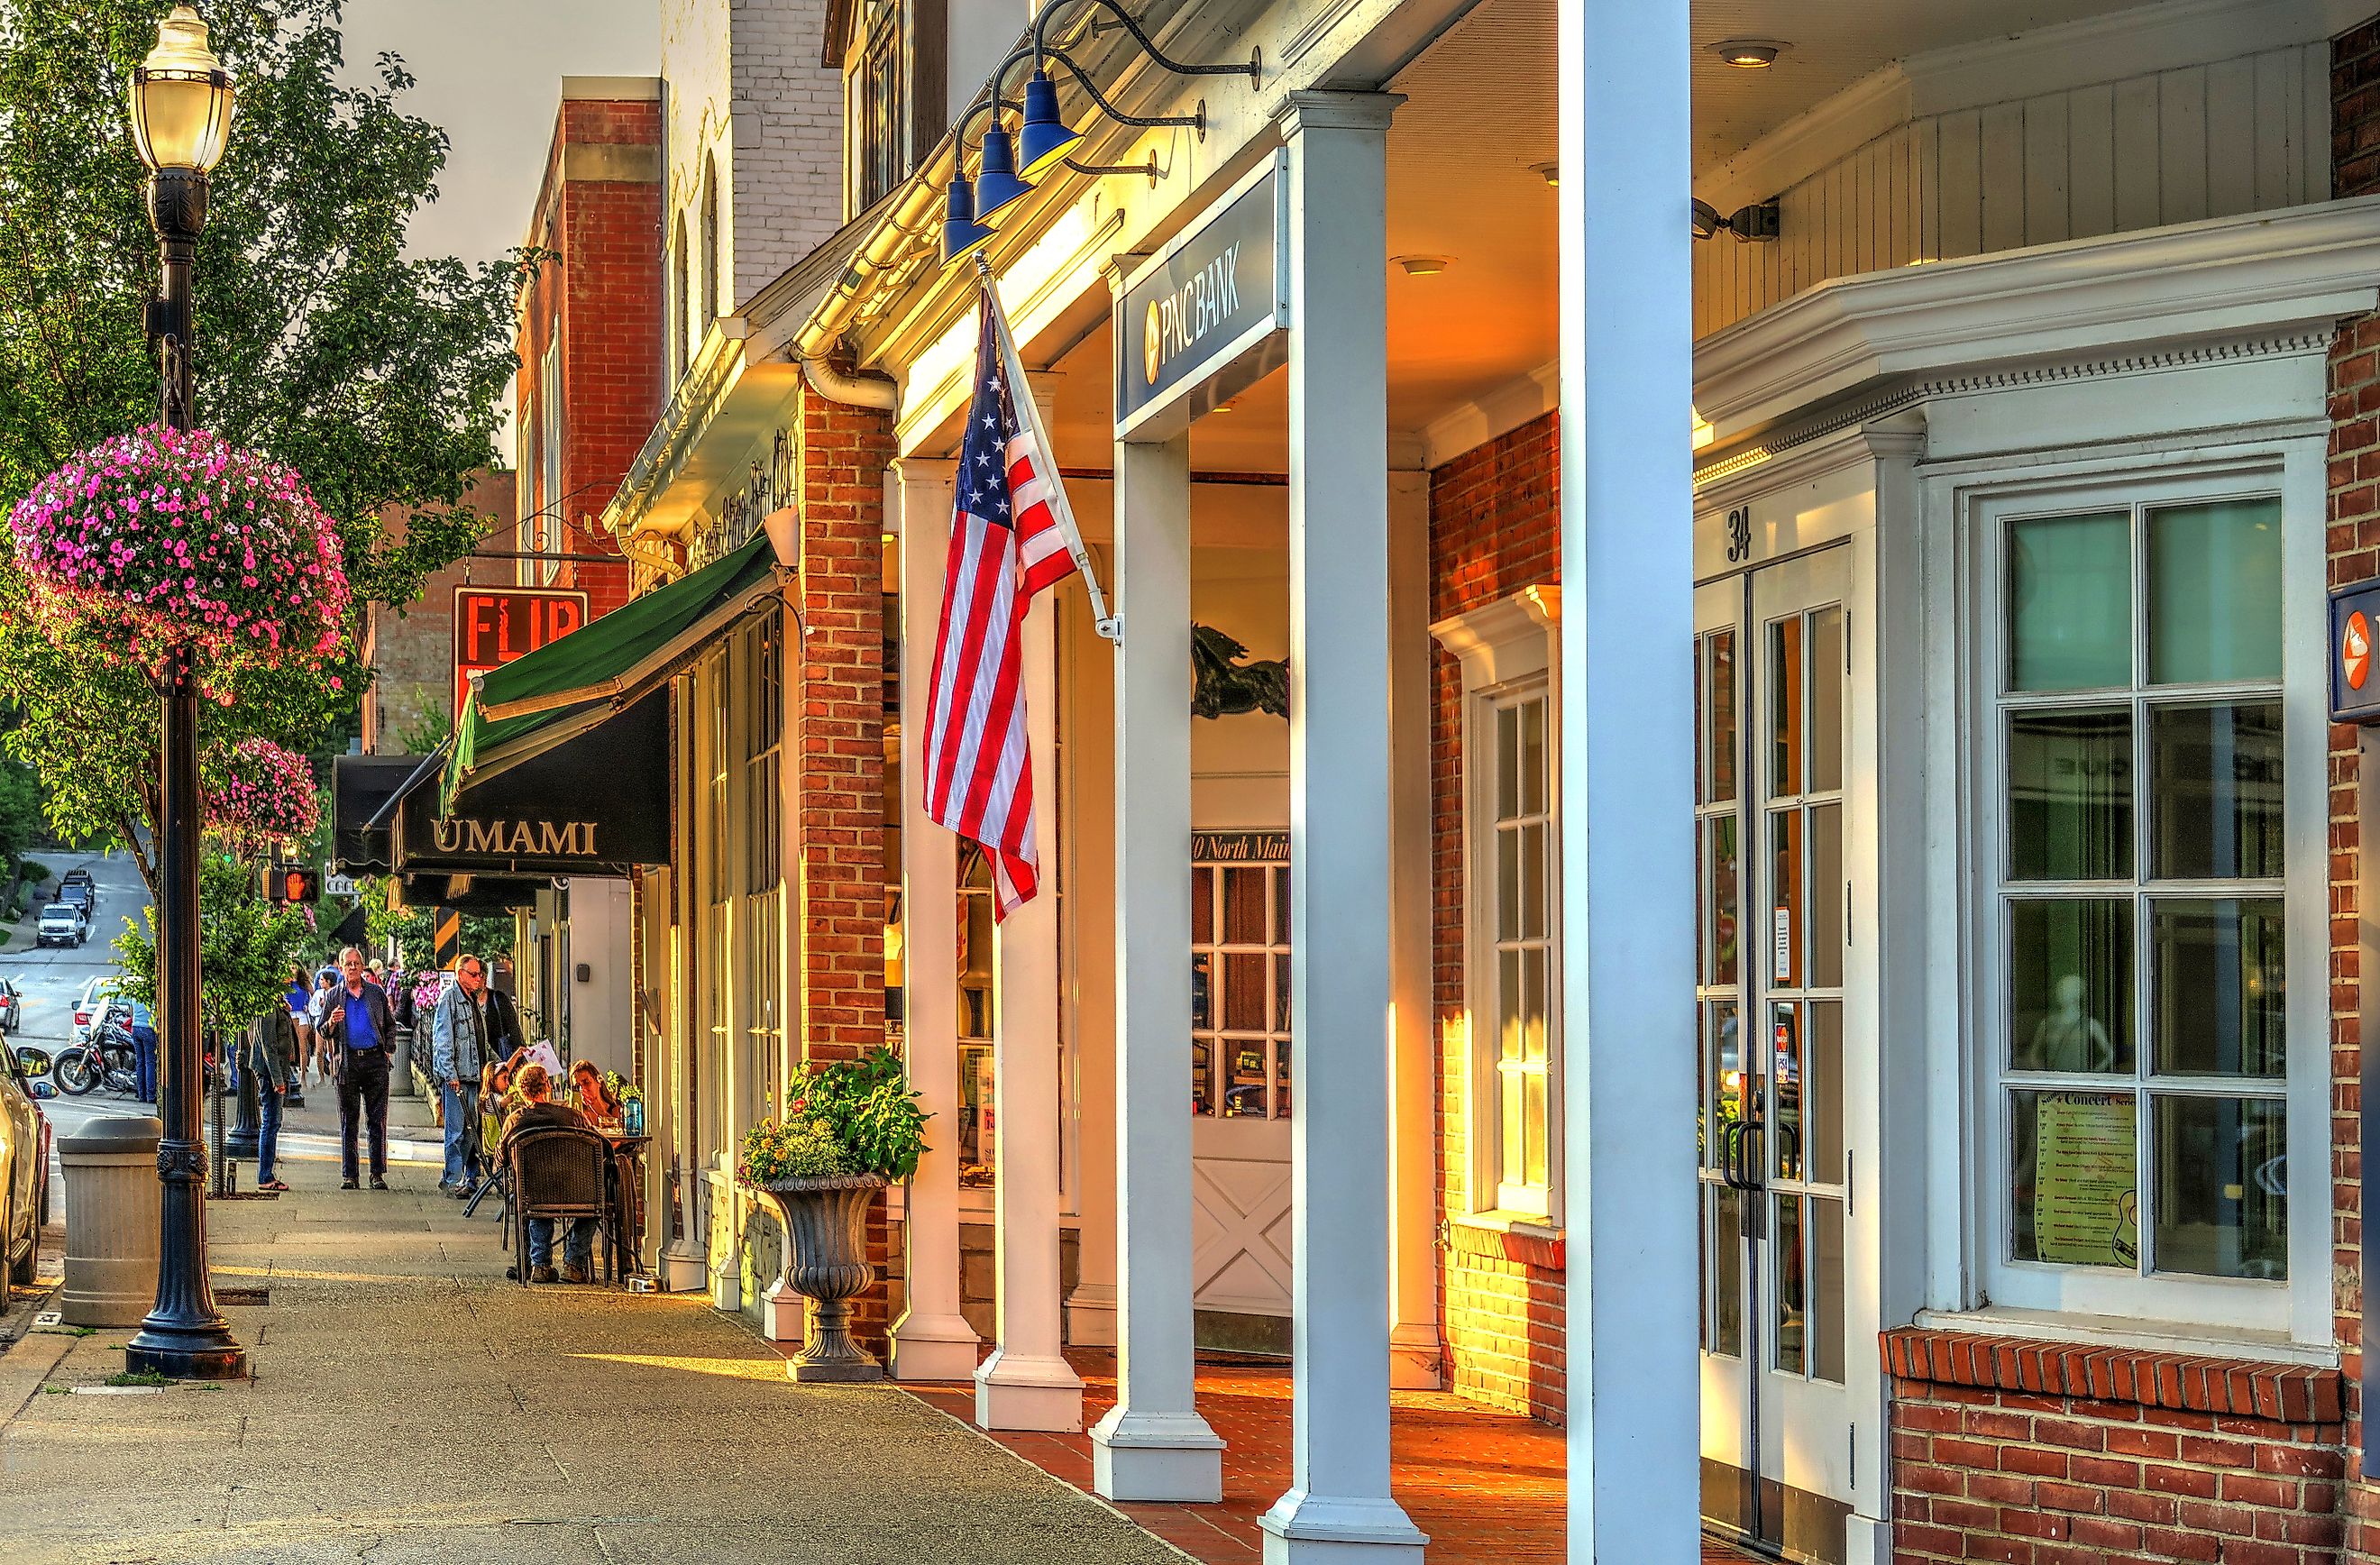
(1492,533)
(411,649)
(591,316)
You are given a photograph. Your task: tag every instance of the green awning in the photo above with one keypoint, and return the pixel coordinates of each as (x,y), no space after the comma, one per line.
(533,703)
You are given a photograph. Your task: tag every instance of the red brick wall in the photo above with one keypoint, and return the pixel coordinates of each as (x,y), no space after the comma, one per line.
(2039,1453)
(601,291)
(1492,532)
(2354,548)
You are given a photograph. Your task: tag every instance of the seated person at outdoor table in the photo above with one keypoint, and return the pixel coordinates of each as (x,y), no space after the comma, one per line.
(594,1101)
(537,1109)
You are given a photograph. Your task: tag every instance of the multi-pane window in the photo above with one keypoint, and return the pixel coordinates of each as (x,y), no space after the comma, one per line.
(549,488)
(679,308)
(1718,983)
(763,686)
(1239,988)
(2143,1048)
(874,103)
(1517,858)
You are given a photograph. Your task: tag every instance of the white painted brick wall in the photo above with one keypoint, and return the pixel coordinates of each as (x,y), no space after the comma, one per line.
(787,111)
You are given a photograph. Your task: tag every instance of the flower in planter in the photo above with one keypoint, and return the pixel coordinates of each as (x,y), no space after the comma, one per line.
(160,538)
(853,1116)
(262,794)
(804,1149)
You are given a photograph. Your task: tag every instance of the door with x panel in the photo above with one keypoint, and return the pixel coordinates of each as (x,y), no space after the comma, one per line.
(1773,684)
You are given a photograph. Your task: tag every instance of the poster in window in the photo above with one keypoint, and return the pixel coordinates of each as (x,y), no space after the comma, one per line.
(2086,1195)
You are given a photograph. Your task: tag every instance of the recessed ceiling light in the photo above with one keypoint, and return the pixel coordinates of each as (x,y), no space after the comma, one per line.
(1423,265)
(1749,54)
(1549,171)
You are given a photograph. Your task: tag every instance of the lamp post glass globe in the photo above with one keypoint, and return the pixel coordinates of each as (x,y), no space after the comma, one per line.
(182,98)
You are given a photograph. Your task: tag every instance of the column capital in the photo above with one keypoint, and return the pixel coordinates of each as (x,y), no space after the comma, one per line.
(1120,266)
(1301,112)
(924,469)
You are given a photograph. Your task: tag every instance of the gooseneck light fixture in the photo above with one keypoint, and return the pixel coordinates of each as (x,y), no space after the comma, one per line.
(182,102)
(1006,166)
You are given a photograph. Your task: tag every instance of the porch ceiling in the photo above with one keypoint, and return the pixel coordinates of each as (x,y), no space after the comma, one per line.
(1464,183)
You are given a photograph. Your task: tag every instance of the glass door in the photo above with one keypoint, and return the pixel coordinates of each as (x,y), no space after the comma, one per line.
(1772,677)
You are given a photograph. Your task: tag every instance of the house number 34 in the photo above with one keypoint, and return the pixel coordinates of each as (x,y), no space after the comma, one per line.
(1739,534)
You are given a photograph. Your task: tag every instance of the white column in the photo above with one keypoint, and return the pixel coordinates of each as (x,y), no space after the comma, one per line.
(932,1341)
(1337,1506)
(1027,1383)
(1627,753)
(1415,1353)
(1153,1444)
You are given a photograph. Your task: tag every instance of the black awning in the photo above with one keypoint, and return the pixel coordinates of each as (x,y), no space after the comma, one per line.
(360,787)
(596,803)
(471,894)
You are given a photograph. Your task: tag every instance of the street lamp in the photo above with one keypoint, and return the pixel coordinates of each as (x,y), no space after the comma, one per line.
(181,116)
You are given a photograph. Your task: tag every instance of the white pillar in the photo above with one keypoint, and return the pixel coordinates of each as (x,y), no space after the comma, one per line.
(1027,1383)
(932,1341)
(1415,1353)
(1627,753)
(1337,1506)
(1152,1444)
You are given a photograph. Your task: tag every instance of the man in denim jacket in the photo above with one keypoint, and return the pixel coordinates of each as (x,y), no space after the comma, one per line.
(458,1047)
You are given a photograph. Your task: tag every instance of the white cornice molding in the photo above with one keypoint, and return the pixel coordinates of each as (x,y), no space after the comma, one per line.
(2261,275)
(2173,35)
(1493,413)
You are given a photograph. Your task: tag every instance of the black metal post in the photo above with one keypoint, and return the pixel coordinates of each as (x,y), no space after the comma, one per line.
(185,1336)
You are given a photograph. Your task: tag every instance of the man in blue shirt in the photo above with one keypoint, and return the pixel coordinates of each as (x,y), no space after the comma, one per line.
(358,1024)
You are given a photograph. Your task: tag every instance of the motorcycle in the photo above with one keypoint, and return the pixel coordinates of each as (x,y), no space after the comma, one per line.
(105,1059)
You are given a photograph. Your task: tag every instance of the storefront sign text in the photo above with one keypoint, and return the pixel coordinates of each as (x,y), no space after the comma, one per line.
(1208,315)
(495,625)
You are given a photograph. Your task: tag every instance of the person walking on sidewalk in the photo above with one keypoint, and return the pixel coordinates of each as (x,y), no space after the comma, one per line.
(538,1109)
(458,1047)
(266,1052)
(359,1028)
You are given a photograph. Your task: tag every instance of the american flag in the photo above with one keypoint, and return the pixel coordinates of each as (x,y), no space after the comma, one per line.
(1012,535)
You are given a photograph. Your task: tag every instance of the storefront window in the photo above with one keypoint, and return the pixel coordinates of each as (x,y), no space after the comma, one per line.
(1521,870)
(1239,976)
(978,1160)
(2142,973)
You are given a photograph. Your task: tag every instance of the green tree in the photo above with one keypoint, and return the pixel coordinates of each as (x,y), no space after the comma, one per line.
(375,374)
(246,948)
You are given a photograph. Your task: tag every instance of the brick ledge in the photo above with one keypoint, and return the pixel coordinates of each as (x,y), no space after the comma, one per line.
(2286,1393)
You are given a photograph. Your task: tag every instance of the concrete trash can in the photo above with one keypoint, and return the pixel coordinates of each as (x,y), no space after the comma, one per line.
(111,1221)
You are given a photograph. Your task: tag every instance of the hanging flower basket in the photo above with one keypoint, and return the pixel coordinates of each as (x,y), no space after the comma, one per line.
(160,539)
(262,794)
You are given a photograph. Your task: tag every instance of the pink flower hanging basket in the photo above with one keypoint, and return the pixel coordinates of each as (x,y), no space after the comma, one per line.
(157,539)
(262,795)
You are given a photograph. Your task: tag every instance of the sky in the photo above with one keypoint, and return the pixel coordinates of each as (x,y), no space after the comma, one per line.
(490,72)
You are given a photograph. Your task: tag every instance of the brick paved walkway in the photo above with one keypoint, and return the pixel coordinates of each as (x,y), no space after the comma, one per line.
(1485,1485)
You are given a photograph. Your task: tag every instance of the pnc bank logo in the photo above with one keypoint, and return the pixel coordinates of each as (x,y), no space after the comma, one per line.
(2355,651)
(1175,322)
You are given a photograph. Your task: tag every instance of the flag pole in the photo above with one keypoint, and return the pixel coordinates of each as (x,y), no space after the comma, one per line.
(1110,625)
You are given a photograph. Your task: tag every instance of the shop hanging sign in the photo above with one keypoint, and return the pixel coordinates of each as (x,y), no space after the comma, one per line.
(495,625)
(1208,316)
(2354,678)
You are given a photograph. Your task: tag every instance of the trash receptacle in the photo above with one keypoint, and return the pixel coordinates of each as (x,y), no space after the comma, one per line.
(111,1221)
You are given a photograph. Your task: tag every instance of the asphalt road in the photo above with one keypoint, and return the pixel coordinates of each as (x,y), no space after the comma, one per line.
(52,978)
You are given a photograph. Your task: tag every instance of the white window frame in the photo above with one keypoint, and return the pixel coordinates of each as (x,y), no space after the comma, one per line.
(1508,649)
(2298,1309)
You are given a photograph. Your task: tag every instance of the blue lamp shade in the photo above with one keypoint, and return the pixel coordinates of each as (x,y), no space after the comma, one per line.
(1045,138)
(997,188)
(962,235)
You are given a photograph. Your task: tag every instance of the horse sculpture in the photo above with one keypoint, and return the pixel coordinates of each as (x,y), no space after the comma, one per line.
(1224,683)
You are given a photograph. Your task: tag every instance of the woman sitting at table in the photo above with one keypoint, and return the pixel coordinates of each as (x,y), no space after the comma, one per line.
(538,1109)
(595,1101)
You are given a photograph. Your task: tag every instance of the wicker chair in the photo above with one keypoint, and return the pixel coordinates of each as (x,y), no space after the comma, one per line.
(560,1171)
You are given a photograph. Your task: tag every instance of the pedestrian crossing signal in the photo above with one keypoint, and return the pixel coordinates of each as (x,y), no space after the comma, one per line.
(288,883)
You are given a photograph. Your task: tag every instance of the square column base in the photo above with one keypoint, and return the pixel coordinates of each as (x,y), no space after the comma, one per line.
(727,1287)
(1091,1315)
(1014,1392)
(1305,1529)
(1157,1456)
(683,1274)
(782,1312)
(933,1348)
(1416,1359)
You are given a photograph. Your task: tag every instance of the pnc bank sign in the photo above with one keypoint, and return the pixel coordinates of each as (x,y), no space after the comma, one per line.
(1206,316)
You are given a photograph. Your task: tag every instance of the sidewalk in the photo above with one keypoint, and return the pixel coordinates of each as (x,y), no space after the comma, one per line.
(408,1403)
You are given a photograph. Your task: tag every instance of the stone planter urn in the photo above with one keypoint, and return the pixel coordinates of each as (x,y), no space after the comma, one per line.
(826,1240)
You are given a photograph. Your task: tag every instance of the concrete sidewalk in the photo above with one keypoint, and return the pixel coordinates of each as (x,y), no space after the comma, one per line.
(408,1403)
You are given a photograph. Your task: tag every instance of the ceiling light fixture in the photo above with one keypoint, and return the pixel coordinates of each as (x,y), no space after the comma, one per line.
(1423,265)
(1549,171)
(1758,224)
(1749,54)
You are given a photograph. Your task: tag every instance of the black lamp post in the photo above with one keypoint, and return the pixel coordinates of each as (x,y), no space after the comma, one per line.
(181,116)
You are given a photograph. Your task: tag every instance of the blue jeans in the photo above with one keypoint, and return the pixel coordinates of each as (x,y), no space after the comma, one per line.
(462,1142)
(144,1062)
(268,1130)
(577,1246)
